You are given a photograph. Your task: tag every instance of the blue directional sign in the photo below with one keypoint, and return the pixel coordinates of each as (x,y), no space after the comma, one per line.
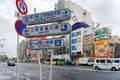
(47,17)
(47,30)
(44,44)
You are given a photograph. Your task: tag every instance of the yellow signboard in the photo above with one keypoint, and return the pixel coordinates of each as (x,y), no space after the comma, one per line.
(101,48)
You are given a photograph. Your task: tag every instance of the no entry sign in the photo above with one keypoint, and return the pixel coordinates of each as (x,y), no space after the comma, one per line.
(19,26)
(21,6)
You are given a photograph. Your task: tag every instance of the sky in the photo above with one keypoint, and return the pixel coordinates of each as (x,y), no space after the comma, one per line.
(104,12)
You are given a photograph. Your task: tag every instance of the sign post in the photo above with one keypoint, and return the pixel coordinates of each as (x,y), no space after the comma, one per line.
(39,59)
(48,30)
(19,26)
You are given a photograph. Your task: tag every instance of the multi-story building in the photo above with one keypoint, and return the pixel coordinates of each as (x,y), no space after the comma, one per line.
(78,15)
(22,51)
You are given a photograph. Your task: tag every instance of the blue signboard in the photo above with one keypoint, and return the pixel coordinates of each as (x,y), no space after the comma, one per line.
(45,44)
(47,17)
(78,25)
(46,30)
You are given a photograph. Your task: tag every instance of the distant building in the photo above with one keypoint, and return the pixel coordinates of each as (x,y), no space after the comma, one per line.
(22,51)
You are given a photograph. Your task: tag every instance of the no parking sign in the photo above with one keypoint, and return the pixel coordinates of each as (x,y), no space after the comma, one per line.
(21,6)
(19,26)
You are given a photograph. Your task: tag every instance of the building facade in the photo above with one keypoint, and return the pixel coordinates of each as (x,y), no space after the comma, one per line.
(78,14)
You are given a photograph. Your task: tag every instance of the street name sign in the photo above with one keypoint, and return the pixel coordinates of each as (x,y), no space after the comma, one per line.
(46,30)
(45,44)
(21,6)
(47,17)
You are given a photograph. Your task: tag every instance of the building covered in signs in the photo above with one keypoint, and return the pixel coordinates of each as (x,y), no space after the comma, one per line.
(81,25)
(105,45)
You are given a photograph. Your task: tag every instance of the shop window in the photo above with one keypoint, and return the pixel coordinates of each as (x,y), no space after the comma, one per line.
(78,53)
(111,45)
(84,13)
(74,47)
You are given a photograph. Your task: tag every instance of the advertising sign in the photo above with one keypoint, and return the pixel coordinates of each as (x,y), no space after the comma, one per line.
(21,6)
(46,30)
(87,46)
(102,32)
(47,17)
(44,44)
(101,48)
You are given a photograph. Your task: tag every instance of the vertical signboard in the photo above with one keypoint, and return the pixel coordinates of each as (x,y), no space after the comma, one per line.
(87,46)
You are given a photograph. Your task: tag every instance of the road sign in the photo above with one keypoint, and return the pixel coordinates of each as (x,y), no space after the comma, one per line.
(47,30)
(45,44)
(21,6)
(18,15)
(19,26)
(47,17)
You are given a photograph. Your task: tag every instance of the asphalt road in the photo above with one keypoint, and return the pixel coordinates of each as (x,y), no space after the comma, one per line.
(31,72)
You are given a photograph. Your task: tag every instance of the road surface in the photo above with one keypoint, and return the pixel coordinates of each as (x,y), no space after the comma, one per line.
(31,72)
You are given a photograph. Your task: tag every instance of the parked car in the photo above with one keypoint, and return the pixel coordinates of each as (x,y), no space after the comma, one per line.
(70,63)
(60,62)
(105,63)
(116,61)
(10,63)
(47,61)
(85,61)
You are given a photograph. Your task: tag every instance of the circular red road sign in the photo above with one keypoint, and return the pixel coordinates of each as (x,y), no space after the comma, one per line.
(21,6)
(19,26)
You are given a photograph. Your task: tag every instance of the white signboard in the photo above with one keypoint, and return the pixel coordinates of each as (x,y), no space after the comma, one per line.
(18,15)
(47,17)
(44,44)
(46,30)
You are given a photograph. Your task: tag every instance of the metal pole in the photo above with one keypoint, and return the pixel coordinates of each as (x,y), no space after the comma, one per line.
(17,73)
(51,61)
(39,60)
(39,64)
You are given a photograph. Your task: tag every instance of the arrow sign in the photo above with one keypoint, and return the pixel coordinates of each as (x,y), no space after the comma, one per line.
(47,17)
(44,44)
(46,30)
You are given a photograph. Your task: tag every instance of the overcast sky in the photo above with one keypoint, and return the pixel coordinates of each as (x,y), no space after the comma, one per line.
(105,12)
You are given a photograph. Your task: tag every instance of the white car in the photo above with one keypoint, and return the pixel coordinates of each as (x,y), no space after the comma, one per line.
(116,61)
(105,63)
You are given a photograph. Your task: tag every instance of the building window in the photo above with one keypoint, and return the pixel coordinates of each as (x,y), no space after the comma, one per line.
(84,13)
